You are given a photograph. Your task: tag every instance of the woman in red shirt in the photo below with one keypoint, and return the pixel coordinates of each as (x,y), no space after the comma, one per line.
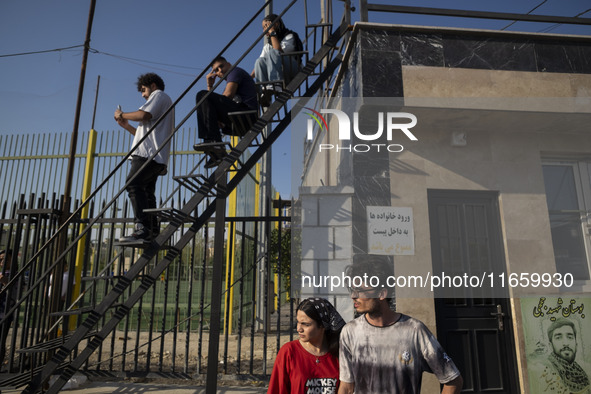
(310,364)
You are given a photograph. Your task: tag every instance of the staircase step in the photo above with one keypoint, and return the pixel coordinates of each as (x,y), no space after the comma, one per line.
(192,182)
(140,244)
(79,311)
(105,277)
(73,312)
(50,344)
(168,214)
(210,148)
(197,183)
(102,277)
(18,380)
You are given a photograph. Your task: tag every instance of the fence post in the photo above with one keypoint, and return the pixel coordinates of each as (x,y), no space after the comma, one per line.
(257,277)
(86,190)
(277,270)
(230,272)
(216,291)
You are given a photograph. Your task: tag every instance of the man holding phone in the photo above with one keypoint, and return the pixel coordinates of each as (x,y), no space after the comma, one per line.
(142,188)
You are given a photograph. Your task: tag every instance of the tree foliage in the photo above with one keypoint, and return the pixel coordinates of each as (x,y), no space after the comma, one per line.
(281,262)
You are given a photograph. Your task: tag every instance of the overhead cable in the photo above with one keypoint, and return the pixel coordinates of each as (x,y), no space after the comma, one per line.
(45,51)
(529,12)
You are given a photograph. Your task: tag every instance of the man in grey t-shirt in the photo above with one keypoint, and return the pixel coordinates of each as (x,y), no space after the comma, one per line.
(383,351)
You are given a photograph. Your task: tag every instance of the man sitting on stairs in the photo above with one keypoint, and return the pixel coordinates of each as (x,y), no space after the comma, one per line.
(272,65)
(212,115)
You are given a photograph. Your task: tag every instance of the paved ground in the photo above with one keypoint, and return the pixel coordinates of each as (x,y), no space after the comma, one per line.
(146,388)
(125,387)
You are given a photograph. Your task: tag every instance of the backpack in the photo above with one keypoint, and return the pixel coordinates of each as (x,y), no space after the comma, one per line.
(299,46)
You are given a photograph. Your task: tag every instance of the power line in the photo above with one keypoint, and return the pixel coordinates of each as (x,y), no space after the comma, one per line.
(143,61)
(530,11)
(136,61)
(554,26)
(45,51)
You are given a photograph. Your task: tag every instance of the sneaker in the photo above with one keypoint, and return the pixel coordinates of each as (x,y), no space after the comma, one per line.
(211,143)
(212,162)
(274,87)
(209,146)
(215,158)
(141,234)
(265,98)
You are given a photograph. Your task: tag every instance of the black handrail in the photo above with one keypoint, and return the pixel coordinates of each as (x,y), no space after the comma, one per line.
(365,7)
(75,214)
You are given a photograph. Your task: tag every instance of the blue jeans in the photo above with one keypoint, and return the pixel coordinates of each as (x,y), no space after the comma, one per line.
(273,67)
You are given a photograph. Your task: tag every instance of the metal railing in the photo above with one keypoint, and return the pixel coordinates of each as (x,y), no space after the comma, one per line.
(366,7)
(165,332)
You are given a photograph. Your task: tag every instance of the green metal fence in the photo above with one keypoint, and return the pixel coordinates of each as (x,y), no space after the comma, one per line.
(42,159)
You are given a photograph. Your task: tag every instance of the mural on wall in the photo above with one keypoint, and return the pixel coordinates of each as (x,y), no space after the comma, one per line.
(557,344)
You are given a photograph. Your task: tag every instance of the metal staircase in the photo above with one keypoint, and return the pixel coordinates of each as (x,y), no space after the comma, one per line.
(210,193)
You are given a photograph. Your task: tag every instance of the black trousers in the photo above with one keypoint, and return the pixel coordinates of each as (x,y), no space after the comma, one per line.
(141,190)
(213,111)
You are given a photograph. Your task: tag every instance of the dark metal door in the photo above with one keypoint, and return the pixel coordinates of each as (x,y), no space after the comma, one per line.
(473,324)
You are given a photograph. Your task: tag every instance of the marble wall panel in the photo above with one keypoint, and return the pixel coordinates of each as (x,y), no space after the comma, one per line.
(422,49)
(488,53)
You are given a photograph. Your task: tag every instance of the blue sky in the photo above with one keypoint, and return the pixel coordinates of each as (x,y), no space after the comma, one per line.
(175,39)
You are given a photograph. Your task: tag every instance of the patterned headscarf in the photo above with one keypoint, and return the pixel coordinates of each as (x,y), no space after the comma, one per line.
(331,319)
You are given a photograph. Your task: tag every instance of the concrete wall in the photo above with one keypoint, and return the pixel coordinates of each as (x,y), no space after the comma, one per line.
(326,229)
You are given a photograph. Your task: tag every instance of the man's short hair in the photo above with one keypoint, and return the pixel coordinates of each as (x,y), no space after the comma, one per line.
(148,79)
(219,59)
(560,323)
(372,265)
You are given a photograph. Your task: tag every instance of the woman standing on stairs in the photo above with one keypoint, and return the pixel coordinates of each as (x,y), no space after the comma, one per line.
(310,362)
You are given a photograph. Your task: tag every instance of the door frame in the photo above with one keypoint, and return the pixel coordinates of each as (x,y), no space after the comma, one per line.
(508,340)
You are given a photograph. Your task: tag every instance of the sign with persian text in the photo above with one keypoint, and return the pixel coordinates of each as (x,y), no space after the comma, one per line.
(390,231)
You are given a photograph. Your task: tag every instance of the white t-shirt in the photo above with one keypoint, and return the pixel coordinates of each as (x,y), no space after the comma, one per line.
(288,44)
(391,359)
(156,105)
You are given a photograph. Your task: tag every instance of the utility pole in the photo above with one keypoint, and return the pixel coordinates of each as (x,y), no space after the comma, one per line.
(74,138)
(58,271)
